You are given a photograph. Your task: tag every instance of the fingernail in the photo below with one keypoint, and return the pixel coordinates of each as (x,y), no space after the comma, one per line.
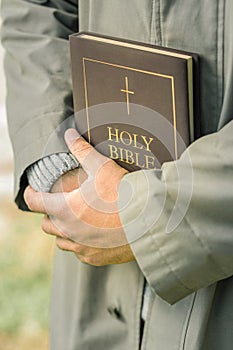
(71,135)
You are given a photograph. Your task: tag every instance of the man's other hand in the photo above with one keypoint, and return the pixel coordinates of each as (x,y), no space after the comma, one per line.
(85,219)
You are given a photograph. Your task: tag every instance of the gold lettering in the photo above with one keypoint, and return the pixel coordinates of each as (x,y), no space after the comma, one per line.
(123,140)
(137,161)
(113,152)
(129,157)
(121,154)
(135,136)
(147,143)
(110,134)
(128,139)
(150,161)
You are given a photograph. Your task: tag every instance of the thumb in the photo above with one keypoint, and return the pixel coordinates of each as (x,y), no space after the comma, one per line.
(87,156)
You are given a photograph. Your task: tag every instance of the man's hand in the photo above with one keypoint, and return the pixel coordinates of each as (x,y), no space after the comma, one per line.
(86,220)
(69,181)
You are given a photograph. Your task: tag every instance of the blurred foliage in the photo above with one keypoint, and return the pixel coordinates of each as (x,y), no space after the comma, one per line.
(23,299)
(25,273)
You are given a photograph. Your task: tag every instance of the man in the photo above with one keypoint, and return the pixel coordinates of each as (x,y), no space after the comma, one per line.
(189,270)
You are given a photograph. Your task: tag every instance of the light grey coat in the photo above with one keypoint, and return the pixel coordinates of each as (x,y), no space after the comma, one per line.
(190,270)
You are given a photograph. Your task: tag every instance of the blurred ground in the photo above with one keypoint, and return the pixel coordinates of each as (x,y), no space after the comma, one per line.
(25,260)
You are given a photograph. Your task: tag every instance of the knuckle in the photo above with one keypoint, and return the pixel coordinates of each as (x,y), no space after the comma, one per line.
(29,200)
(69,200)
(83,257)
(61,243)
(68,211)
(87,260)
(81,147)
(62,206)
(79,250)
(93,260)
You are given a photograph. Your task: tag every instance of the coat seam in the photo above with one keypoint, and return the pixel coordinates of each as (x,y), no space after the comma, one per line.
(152,24)
(187,322)
(156,23)
(160,22)
(219,55)
(138,311)
(147,323)
(220,51)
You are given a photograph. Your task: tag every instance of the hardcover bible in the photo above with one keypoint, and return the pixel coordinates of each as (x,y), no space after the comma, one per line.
(134,102)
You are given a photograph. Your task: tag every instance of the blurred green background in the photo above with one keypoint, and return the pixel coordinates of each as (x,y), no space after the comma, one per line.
(25,260)
(25,274)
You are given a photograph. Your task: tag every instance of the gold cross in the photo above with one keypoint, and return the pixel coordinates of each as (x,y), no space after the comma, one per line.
(127,92)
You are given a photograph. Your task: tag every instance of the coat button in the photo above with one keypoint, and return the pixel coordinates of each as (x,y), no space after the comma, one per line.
(115,312)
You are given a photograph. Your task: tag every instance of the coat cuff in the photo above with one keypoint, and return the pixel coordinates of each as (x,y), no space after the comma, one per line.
(43,174)
(170,261)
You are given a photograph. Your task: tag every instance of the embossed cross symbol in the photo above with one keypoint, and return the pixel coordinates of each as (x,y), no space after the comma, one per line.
(127,92)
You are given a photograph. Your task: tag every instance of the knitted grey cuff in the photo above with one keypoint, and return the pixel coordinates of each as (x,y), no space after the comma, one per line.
(43,174)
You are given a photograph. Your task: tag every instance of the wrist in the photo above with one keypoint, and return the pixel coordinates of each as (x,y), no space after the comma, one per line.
(43,174)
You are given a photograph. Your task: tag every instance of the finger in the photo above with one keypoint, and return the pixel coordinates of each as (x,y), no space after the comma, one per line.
(69,245)
(45,203)
(89,158)
(64,244)
(50,227)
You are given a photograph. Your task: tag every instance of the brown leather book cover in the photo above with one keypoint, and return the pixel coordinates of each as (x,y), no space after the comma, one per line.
(135,103)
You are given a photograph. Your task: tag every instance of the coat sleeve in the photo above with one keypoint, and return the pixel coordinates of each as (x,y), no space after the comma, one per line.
(35,36)
(180,222)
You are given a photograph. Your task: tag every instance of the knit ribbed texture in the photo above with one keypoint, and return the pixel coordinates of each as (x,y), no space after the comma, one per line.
(43,174)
